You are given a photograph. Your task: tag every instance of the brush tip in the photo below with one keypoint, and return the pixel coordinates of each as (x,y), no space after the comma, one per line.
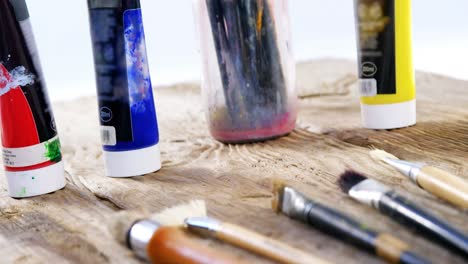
(349,179)
(381,155)
(121,222)
(278,191)
(175,216)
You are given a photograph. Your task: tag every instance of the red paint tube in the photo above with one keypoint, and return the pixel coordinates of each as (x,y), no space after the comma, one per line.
(31,148)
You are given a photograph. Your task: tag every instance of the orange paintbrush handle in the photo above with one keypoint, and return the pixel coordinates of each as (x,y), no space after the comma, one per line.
(171,245)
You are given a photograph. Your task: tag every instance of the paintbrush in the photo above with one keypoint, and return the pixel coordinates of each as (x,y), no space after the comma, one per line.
(384,199)
(194,216)
(249,60)
(440,183)
(155,243)
(232,81)
(297,206)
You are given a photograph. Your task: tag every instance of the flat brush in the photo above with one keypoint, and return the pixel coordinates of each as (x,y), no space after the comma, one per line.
(194,216)
(297,206)
(440,183)
(384,199)
(155,243)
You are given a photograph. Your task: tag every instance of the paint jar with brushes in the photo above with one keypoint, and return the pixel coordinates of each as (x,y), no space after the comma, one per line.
(249,72)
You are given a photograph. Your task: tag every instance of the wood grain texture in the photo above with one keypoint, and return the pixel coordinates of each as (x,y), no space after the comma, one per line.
(69,226)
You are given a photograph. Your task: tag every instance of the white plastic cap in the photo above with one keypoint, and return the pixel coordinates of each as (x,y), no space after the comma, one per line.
(389,116)
(132,163)
(36,182)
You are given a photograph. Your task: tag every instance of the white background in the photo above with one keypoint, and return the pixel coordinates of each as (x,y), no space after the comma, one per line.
(320,28)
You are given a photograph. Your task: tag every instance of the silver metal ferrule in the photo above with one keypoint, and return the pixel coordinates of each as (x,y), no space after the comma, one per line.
(140,235)
(294,204)
(204,226)
(369,192)
(409,169)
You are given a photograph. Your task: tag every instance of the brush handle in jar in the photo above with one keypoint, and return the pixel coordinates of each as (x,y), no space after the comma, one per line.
(444,185)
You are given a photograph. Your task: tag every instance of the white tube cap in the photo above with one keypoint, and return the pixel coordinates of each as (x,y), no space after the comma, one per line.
(30,183)
(132,163)
(389,116)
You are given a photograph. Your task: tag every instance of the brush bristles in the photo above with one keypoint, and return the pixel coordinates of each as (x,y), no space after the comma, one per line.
(175,216)
(121,222)
(349,179)
(278,194)
(381,155)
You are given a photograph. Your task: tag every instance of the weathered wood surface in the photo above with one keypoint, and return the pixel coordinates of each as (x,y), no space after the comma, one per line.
(70,225)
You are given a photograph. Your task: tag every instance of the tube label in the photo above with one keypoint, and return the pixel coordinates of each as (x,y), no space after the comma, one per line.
(29,136)
(126,107)
(111,77)
(17,158)
(376,27)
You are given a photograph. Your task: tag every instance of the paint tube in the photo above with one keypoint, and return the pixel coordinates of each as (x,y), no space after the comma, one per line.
(31,147)
(129,129)
(386,73)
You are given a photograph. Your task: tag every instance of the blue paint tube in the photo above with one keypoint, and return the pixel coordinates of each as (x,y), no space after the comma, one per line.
(129,129)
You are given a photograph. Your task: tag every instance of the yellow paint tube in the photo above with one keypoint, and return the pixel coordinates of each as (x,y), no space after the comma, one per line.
(386,73)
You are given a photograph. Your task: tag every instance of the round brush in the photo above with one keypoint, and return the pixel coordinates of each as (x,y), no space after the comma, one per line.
(156,243)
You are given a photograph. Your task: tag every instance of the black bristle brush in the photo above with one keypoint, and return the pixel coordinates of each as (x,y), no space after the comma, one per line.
(388,202)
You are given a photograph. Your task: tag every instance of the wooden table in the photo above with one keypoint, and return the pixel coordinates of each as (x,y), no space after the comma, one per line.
(71,225)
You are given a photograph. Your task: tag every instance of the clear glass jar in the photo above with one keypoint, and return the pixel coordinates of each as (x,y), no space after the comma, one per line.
(248,82)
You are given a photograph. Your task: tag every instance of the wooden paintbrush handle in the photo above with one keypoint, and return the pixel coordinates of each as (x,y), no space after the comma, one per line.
(263,245)
(444,185)
(171,245)
(395,251)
